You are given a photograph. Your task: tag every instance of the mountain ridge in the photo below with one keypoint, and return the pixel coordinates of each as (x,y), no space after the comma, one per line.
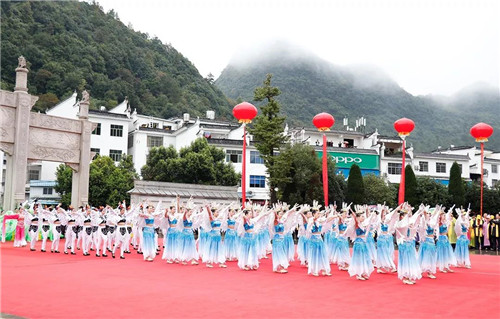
(313,85)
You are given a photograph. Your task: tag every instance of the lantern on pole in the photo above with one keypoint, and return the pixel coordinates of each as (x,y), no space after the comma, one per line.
(323,121)
(404,127)
(481,132)
(245,113)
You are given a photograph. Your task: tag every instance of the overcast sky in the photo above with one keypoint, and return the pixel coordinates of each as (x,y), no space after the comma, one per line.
(427,46)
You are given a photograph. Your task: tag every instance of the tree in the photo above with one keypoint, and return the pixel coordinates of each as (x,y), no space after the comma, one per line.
(456,186)
(377,191)
(337,186)
(297,174)
(268,128)
(430,192)
(411,187)
(355,186)
(198,163)
(64,176)
(108,183)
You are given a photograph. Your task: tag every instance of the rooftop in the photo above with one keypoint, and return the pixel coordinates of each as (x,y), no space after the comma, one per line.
(443,155)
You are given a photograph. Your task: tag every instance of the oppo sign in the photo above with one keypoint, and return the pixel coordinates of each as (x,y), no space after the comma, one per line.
(346,160)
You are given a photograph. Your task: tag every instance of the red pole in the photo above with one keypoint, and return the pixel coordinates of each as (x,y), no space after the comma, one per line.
(401,198)
(325,171)
(243,169)
(482,164)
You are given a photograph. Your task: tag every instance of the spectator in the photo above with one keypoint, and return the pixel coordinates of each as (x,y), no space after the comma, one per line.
(495,232)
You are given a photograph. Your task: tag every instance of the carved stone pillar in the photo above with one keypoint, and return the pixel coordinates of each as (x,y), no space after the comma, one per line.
(20,151)
(9,175)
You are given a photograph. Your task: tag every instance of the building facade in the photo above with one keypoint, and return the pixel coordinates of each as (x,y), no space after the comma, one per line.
(121,132)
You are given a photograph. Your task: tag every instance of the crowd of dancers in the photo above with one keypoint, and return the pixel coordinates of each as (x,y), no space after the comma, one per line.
(246,235)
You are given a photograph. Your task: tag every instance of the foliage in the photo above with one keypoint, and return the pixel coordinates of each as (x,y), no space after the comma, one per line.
(198,163)
(431,192)
(268,127)
(310,85)
(377,191)
(355,186)
(297,174)
(337,186)
(74,45)
(456,186)
(411,187)
(64,176)
(108,183)
(491,198)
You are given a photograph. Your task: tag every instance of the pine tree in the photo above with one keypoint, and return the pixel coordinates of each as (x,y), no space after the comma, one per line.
(411,187)
(456,187)
(268,128)
(355,186)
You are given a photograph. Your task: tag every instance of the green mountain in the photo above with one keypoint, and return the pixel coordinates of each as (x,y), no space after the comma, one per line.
(311,85)
(75,45)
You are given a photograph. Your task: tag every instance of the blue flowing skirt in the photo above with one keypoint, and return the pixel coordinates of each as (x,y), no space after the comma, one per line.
(316,255)
(171,250)
(289,246)
(230,244)
(427,256)
(247,251)
(302,249)
(148,242)
(214,248)
(361,262)
(462,251)
(408,266)
(370,244)
(445,255)
(330,242)
(341,255)
(280,257)
(385,251)
(187,246)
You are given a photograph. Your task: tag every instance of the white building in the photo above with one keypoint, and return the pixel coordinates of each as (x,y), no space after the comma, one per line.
(121,131)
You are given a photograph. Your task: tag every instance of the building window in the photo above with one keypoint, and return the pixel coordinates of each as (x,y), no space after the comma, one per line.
(494,168)
(47,190)
(97,152)
(423,166)
(440,167)
(33,175)
(116,155)
(257,181)
(116,130)
(97,130)
(460,167)
(494,182)
(255,158)
(234,156)
(155,141)
(394,168)
(130,141)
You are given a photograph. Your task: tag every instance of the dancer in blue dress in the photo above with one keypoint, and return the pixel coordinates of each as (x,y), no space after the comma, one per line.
(187,243)
(361,264)
(277,230)
(445,256)
(247,249)
(316,251)
(406,229)
(427,255)
(148,234)
(303,238)
(385,239)
(230,236)
(214,246)
(341,254)
(462,246)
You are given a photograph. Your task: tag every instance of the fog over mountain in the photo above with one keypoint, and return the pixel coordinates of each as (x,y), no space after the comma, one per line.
(311,85)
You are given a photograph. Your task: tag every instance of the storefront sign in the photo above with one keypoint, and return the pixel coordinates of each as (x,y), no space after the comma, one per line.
(345,160)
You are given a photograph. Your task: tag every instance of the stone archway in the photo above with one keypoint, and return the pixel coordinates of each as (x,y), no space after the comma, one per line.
(27,136)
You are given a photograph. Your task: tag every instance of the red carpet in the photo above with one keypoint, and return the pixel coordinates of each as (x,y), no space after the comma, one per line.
(45,285)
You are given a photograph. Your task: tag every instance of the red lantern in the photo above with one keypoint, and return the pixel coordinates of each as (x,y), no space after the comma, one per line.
(481,132)
(323,121)
(404,126)
(244,112)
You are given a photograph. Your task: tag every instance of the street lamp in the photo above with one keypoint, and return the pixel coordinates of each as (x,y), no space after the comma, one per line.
(323,121)
(481,132)
(404,127)
(244,112)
